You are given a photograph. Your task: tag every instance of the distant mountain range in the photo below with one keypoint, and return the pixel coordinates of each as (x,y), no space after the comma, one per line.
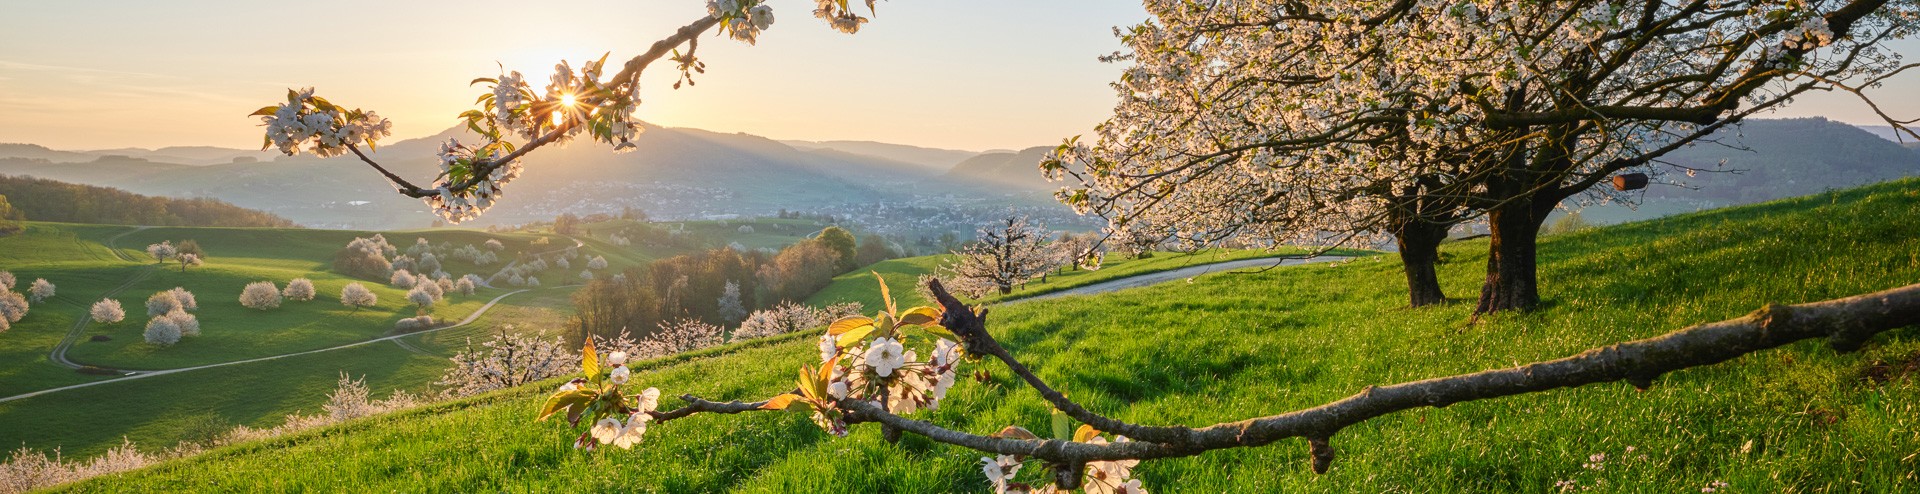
(674,173)
(679,173)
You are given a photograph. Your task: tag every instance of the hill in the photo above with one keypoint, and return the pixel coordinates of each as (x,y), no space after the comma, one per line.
(933,159)
(1020,169)
(49,200)
(1230,346)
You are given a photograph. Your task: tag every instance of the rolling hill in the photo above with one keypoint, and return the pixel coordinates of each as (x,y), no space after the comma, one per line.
(1229,346)
(934,160)
(1019,169)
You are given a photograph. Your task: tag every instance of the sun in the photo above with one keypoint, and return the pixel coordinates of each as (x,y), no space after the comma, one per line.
(567,100)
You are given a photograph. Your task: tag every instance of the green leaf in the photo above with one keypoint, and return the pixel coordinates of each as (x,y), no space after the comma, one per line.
(854,336)
(489,80)
(919,316)
(566,400)
(780,402)
(1015,432)
(265,110)
(590,362)
(1062,425)
(849,323)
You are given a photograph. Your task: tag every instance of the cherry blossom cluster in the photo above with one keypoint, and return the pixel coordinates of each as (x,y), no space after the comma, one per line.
(1102,477)
(457,162)
(840,16)
(600,398)
(311,123)
(742,20)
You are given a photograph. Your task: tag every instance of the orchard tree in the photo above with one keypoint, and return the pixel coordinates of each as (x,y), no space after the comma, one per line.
(13,306)
(368,258)
(356,296)
(41,290)
(300,289)
(107,311)
(842,243)
(188,261)
(190,246)
(464,285)
(186,323)
(421,297)
(730,309)
(161,330)
(1331,121)
(507,360)
(597,263)
(1007,254)
(162,251)
(7,281)
(261,295)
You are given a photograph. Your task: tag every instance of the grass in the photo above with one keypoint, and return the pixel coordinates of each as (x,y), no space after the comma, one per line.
(1799,419)
(901,274)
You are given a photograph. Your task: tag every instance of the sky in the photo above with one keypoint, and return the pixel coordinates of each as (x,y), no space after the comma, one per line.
(957,74)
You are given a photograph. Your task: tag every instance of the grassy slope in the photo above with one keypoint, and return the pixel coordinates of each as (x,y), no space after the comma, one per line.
(1228,347)
(163,410)
(858,286)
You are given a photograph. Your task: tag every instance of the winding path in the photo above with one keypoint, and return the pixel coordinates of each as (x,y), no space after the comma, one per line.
(146,374)
(59,353)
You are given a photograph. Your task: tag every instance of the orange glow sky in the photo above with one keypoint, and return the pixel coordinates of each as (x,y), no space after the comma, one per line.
(964,74)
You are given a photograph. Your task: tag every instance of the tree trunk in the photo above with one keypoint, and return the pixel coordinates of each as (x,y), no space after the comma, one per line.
(1511,261)
(1419,245)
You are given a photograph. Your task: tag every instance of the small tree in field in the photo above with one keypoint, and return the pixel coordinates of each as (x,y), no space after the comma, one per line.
(356,296)
(507,360)
(431,288)
(13,306)
(188,261)
(162,331)
(787,317)
(7,281)
(187,323)
(464,285)
(597,263)
(161,303)
(161,252)
(403,279)
(41,290)
(533,281)
(419,296)
(261,295)
(185,298)
(300,289)
(367,258)
(586,275)
(730,309)
(1007,254)
(107,311)
(495,245)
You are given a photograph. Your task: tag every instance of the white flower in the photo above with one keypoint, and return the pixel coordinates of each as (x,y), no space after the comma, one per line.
(649,400)
(838,390)
(827,348)
(884,356)
(606,429)
(620,375)
(617,358)
(636,428)
(999,470)
(762,16)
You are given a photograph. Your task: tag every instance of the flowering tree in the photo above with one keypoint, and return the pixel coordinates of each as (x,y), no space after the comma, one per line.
(402,279)
(1007,254)
(260,295)
(464,285)
(13,306)
(356,296)
(187,302)
(1324,121)
(188,261)
(597,263)
(163,302)
(107,311)
(161,252)
(162,331)
(783,318)
(300,289)
(41,290)
(676,337)
(7,281)
(368,257)
(495,245)
(421,297)
(730,309)
(185,323)
(507,360)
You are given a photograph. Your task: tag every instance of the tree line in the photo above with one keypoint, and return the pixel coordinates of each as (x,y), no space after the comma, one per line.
(51,200)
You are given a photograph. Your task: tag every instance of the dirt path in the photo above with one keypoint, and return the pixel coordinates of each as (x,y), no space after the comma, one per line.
(1155,278)
(59,353)
(146,374)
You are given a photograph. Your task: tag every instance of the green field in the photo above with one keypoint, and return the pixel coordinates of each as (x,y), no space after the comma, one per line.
(162,410)
(1799,419)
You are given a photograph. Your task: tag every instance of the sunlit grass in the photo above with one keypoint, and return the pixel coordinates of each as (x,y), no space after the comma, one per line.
(1229,347)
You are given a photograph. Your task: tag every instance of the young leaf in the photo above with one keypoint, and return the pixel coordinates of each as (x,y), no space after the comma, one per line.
(1085,433)
(849,323)
(849,338)
(884,294)
(565,400)
(264,111)
(1062,425)
(921,315)
(780,402)
(590,361)
(1015,432)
